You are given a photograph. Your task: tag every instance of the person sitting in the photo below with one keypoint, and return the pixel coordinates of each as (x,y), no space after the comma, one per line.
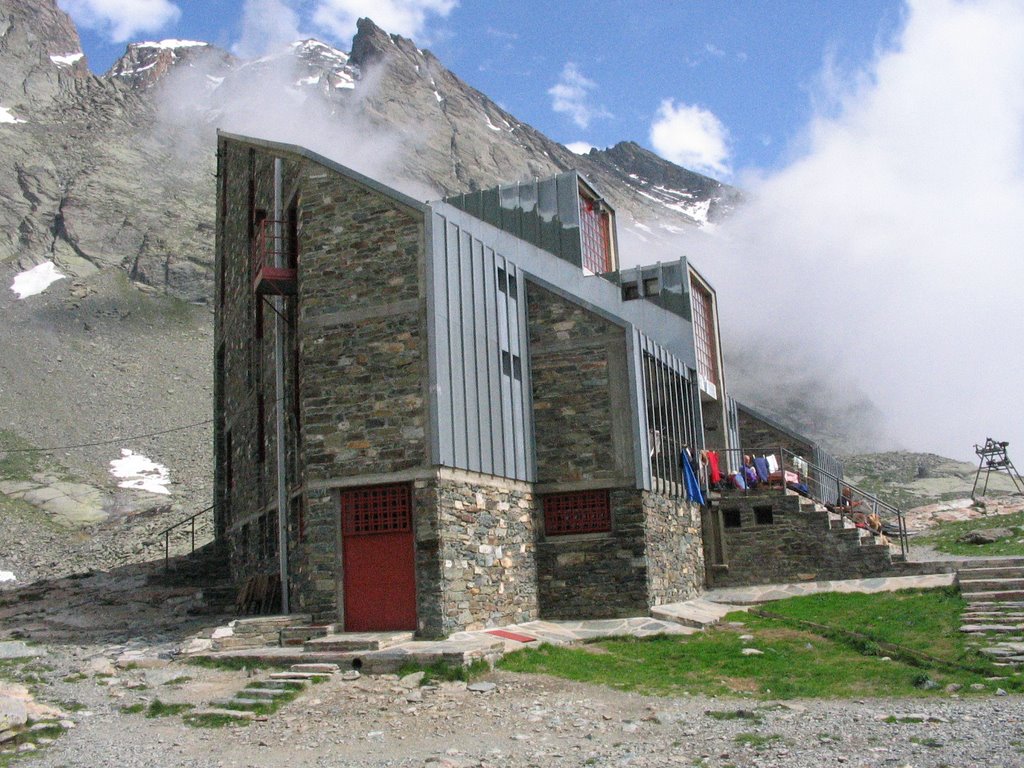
(749,472)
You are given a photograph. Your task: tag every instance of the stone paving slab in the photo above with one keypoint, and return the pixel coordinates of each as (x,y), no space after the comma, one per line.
(765,593)
(697,613)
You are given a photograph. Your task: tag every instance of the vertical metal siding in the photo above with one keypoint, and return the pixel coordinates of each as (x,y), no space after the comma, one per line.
(484,418)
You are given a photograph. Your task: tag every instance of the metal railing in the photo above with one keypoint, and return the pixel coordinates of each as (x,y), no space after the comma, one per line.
(166,533)
(822,484)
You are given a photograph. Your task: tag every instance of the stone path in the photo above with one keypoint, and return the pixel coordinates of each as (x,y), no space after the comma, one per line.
(994,591)
(764,593)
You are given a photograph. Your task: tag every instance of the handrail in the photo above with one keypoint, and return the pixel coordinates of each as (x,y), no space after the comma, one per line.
(166,532)
(819,475)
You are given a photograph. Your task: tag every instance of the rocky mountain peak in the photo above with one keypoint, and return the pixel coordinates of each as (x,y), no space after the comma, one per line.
(39,50)
(144,64)
(371,43)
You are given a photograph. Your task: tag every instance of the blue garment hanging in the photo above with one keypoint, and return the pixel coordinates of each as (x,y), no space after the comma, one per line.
(692,486)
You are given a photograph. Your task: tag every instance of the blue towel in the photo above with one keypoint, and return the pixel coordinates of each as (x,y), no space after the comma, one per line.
(761,465)
(692,486)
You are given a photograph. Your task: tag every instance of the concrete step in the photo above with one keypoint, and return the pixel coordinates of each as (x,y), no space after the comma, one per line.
(991,573)
(263,694)
(990,585)
(283,684)
(357,641)
(314,669)
(299,635)
(237,714)
(298,677)
(989,562)
(999,617)
(996,605)
(696,613)
(985,597)
(991,629)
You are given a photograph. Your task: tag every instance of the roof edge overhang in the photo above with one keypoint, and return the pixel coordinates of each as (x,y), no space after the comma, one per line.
(296,149)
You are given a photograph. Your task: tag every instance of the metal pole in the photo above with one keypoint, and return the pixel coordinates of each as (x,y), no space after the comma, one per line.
(279,331)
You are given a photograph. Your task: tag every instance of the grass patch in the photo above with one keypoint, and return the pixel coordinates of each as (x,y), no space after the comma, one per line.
(134,709)
(944,537)
(159,708)
(735,714)
(796,661)
(18,458)
(213,720)
(442,672)
(757,740)
(77,677)
(180,680)
(231,663)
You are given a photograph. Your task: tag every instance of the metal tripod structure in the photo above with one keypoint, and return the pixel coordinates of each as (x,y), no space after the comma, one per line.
(992,457)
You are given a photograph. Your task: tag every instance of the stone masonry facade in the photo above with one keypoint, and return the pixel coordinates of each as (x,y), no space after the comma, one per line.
(773,538)
(358,415)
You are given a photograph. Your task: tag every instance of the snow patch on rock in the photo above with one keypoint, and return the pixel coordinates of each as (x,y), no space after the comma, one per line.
(36,280)
(140,472)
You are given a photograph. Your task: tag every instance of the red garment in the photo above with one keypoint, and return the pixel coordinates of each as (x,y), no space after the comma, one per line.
(716,474)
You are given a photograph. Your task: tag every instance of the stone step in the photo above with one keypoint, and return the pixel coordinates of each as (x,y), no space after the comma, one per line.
(263,625)
(298,677)
(283,685)
(991,573)
(990,585)
(314,669)
(697,613)
(358,641)
(300,635)
(265,694)
(237,714)
(999,617)
(987,629)
(996,605)
(984,597)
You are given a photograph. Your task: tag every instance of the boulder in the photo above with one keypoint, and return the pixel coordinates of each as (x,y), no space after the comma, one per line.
(985,536)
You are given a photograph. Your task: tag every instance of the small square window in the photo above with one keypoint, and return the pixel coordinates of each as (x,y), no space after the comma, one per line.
(577,512)
(651,286)
(517,368)
(513,286)
(502,280)
(763,516)
(506,363)
(630,291)
(731,518)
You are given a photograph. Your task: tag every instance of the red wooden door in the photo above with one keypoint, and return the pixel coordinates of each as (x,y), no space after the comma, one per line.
(378,559)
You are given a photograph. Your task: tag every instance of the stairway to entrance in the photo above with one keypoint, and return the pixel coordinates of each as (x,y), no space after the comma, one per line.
(994,619)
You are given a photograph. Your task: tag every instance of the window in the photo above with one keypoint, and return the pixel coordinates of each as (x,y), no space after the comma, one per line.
(630,292)
(507,283)
(595,233)
(704,332)
(731,518)
(763,516)
(577,512)
(377,509)
(651,287)
(671,415)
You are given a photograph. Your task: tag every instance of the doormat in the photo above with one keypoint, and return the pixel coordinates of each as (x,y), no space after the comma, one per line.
(511,636)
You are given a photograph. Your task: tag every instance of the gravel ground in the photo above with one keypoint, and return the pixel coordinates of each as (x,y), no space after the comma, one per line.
(523,721)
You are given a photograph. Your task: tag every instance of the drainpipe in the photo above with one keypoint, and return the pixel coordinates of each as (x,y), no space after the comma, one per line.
(279,331)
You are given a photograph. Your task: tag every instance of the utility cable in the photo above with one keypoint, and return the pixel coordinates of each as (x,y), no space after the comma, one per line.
(105,442)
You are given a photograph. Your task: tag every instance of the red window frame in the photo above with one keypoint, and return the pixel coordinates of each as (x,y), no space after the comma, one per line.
(577,512)
(704,332)
(595,235)
(376,509)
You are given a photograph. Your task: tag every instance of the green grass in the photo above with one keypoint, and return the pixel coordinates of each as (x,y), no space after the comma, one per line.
(134,709)
(159,708)
(442,672)
(757,740)
(180,680)
(231,663)
(798,661)
(51,731)
(18,460)
(213,721)
(944,537)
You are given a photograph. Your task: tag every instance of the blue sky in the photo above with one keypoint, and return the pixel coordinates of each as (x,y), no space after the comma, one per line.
(880,144)
(731,84)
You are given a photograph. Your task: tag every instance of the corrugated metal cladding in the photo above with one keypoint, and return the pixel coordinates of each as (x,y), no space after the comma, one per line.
(481,365)
(545,213)
(668,418)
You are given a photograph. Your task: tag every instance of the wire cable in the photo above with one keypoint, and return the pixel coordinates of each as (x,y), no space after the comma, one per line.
(105,442)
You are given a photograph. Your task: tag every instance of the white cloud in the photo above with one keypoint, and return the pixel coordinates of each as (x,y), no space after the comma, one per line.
(691,136)
(401,17)
(571,96)
(889,251)
(579,147)
(267,25)
(120,20)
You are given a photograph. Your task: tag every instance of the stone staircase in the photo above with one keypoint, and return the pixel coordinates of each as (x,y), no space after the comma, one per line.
(994,619)
(265,696)
(208,571)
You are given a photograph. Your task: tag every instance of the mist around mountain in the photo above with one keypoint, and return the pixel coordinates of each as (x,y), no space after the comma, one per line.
(111,178)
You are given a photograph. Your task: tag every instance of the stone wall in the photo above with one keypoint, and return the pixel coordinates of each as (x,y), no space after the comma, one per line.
(675,556)
(779,539)
(475,550)
(581,401)
(598,575)
(759,435)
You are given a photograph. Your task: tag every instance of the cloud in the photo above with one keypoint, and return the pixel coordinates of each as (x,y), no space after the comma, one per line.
(121,20)
(401,17)
(571,96)
(267,25)
(691,136)
(579,147)
(888,253)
